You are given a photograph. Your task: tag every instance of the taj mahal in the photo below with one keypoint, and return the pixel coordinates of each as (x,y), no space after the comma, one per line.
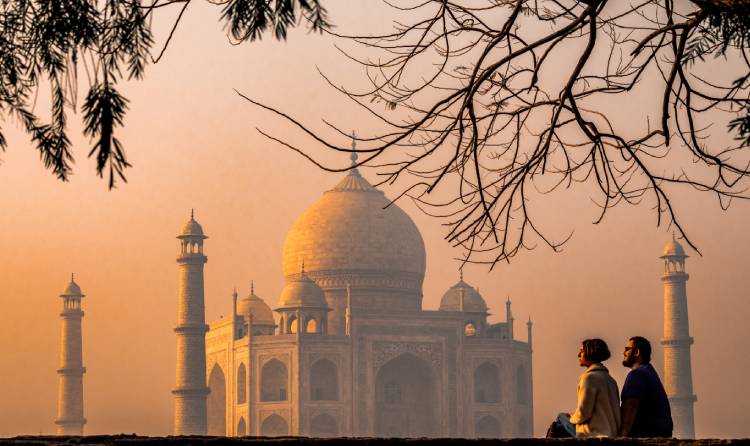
(348,350)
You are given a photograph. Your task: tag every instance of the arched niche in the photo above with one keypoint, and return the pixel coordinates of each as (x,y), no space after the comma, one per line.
(324,425)
(406,399)
(274,426)
(216,403)
(486,384)
(273,381)
(241,384)
(241,428)
(324,381)
(311,326)
(487,427)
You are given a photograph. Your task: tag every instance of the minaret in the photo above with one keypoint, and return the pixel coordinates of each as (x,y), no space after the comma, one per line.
(509,318)
(678,381)
(190,391)
(70,419)
(528,331)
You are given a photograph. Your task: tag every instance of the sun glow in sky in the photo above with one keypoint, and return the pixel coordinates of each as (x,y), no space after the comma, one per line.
(193,144)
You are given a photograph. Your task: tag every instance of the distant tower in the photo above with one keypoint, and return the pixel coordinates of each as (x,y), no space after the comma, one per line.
(191,391)
(70,419)
(678,381)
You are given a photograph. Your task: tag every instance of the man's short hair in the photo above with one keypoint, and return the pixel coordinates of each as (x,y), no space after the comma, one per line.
(643,346)
(595,350)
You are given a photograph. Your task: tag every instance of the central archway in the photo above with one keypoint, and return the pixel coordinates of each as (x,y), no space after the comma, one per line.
(405,399)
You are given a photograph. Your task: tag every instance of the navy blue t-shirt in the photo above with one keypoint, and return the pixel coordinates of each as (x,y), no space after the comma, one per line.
(654,418)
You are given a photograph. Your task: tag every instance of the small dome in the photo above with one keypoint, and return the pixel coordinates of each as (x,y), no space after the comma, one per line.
(473,301)
(192,228)
(300,291)
(72,289)
(257,307)
(673,249)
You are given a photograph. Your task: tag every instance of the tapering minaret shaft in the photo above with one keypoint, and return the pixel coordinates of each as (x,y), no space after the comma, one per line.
(678,381)
(509,318)
(190,387)
(70,418)
(528,331)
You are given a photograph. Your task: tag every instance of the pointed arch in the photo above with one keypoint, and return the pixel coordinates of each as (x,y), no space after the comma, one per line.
(311,326)
(273,381)
(486,383)
(216,403)
(241,427)
(487,427)
(324,384)
(241,384)
(274,426)
(324,425)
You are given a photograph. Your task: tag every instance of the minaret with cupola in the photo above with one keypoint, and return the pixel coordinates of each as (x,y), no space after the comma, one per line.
(190,390)
(70,418)
(678,381)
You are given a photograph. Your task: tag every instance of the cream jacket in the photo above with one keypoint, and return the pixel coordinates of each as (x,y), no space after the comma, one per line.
(598,411)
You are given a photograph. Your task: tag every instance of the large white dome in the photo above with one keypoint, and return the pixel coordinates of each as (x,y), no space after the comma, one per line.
(351,236)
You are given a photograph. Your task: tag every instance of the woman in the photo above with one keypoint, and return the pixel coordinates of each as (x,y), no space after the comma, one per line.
(598,411)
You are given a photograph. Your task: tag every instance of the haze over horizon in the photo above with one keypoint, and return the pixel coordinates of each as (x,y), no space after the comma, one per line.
(193,144)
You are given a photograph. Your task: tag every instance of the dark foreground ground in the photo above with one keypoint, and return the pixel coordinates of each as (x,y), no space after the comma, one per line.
(133,440)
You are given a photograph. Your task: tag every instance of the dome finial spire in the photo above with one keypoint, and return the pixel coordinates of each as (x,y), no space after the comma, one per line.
(461,274)
(302,267)
(354,155)
(192,214)
(252,287)
(72,277)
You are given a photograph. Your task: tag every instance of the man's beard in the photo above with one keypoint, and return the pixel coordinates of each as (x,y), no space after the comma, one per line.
(628,361)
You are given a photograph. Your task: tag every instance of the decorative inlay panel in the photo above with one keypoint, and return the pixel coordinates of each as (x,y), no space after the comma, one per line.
(384,351)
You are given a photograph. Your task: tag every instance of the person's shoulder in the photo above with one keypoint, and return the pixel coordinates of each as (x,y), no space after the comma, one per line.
(647,371)
(635,378)
(597,374)
(643,371)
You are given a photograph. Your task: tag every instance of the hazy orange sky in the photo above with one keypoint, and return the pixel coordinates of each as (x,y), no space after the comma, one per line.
(193,144)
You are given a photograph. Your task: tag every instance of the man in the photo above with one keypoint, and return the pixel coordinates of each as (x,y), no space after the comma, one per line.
(645,406)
